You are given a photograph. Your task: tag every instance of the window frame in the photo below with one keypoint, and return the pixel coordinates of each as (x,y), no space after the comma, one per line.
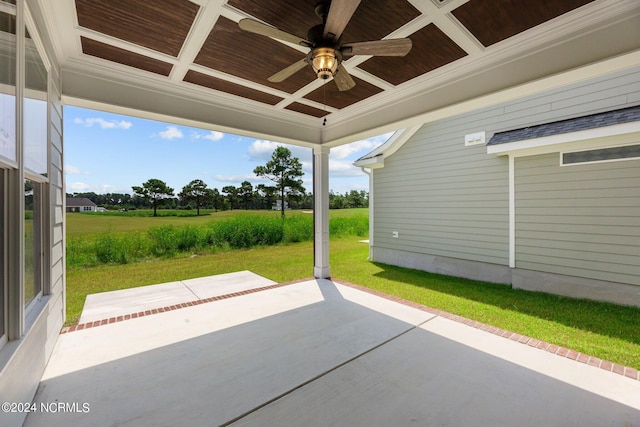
(19,317)
(39,229)
(42,239)
(4,292)
(9,220)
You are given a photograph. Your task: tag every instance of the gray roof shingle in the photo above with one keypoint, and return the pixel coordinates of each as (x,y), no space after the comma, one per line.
(592,121)
(79,202)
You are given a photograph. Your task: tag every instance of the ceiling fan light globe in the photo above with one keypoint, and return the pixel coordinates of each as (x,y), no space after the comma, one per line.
(324,62)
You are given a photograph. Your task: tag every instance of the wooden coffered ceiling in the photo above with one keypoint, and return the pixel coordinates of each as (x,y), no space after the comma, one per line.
(187,60)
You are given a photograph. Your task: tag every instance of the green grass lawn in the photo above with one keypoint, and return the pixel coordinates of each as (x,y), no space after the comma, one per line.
(603,330)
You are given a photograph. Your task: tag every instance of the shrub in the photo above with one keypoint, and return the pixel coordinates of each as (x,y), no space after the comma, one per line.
(246,231)
(298,228)
(162,240)
(188,239)
(349,226)
(237,232)
(110,249)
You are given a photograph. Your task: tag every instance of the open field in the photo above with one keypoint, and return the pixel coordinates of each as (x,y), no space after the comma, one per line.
(79,224)
(96,239)
(603,330)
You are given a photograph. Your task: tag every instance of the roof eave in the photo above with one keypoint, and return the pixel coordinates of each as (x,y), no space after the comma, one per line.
(602,137)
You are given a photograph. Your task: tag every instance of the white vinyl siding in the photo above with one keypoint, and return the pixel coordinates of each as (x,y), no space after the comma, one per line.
(582,221)
(57,199)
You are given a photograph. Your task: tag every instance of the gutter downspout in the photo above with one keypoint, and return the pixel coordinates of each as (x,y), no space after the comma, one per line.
(370,174)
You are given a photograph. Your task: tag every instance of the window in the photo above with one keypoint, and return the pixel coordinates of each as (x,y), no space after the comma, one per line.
(8,149)
(35,110)
(601,155)
(7,87)
(3,258)
(32,240)
(35,161)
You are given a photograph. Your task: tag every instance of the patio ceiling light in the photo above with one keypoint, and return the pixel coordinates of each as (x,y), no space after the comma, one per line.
(325,61)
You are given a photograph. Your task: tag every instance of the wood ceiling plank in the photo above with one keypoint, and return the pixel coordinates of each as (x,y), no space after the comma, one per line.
(329,94)
(251,56)
(494,21)
(161,25)
(232,88)
(292,16)
(125,57)
(372,20)
(431,49)
(306,109)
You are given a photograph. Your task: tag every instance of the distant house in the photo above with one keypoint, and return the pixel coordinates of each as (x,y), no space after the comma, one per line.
(80,204)
(278,205)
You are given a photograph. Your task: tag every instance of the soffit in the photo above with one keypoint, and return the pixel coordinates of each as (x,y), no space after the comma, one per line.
(194,49)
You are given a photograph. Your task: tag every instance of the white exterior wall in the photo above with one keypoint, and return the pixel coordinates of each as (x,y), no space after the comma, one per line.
(23,359)
(450,203)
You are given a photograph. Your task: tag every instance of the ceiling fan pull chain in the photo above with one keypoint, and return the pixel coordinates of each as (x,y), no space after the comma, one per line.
(324,102)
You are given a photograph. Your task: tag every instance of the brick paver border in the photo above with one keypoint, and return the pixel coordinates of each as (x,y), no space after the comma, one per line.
(513,336)
(121,318)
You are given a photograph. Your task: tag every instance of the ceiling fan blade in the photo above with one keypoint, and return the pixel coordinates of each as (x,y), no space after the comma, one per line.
(343,79)
(391,47)
(288,72)
(340,13)
(263,29)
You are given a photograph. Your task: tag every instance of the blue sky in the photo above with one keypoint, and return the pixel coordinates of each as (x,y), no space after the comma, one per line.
(109,153)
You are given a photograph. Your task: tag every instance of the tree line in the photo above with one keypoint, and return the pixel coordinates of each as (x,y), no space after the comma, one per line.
(282,169)
(240,199)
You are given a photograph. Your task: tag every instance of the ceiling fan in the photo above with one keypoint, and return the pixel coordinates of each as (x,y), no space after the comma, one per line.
(325,43)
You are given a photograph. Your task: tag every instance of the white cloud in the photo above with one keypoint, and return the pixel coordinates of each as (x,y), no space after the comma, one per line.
(211,135)
(261,150)
(214,136)
(343,168)
(339,165)
(347,150)
(108,188)
(81,187)
(237,179)
(78,187)
(359,147)
(104,124)
(170,133)
(307,167)
(72,170)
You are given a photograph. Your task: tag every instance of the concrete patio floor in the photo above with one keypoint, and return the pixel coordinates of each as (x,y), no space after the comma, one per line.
(315,353)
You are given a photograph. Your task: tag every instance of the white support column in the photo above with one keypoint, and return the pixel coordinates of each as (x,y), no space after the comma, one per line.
(512,211)
(321,268)
(370,175)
